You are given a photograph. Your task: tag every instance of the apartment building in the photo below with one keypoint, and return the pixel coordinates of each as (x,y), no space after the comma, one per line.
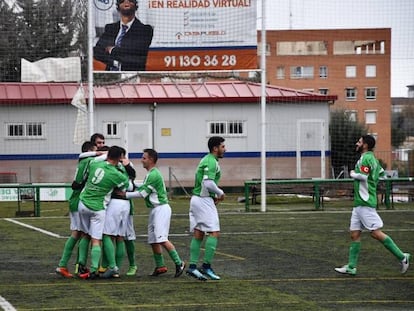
(354,64)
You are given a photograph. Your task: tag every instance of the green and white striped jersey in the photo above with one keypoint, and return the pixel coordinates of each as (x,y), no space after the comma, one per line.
(208,168)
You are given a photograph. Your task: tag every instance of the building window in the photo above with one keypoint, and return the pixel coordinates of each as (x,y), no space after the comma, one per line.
(358,47)
(25,130)
(370,117)
(350,93)
(370,93)
(323,72)
(370,71)
(227,128)
(352,115)
(350,72)
(301,72)
(280,72)
(302,48)
(111,129)
(324,91)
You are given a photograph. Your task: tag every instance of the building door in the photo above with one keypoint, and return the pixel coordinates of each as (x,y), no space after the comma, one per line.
(138,136)
(310,142)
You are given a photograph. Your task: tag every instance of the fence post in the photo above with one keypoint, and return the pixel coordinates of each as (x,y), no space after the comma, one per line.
(388,189)
(246,197)
(37,202)
(317,195)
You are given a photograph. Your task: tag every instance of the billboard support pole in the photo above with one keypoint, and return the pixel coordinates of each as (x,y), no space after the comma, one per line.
(90,67)
(263,109)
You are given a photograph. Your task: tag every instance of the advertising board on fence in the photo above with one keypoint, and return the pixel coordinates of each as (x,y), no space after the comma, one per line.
(46,194)
(186,35)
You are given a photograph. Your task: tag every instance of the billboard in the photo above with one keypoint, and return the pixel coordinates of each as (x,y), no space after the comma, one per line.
(175,35)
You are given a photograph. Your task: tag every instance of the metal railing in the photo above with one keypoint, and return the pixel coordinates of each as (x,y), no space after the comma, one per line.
(391,187)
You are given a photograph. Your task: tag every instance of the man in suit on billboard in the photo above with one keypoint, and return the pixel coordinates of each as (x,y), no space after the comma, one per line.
(124,45)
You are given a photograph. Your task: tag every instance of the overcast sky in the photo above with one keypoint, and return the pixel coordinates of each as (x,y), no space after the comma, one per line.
(332,14)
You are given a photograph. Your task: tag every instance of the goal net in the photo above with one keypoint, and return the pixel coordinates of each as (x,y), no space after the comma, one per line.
(330,77)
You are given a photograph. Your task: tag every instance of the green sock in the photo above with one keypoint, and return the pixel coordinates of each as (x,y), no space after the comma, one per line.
(353,254)
(393,248)
(83,249)
(159,260)
(109,251)
(130,250)
(195,247)
(96,253)
(104,260)
(67,251)
(119,253)
(211,245)
(175,257)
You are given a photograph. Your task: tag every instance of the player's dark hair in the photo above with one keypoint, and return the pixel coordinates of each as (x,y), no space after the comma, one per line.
(123,151)
(95,136)
(114,153)
(103,148)
(118,2)
(369,140)
(152,154)
(214,141)
(87,146)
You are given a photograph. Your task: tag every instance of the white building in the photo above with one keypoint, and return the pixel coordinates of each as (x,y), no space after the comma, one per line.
(38,128)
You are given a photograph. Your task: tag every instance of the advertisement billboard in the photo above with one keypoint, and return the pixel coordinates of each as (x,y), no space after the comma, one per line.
(175,35)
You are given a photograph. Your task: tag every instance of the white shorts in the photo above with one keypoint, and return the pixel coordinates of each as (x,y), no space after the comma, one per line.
(130,230)
(159,224)
(74,221)
(91,222)
(203,214)
(116,219)
(364,217)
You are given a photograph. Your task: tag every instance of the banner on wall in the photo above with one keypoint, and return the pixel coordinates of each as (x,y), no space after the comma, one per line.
(176,35)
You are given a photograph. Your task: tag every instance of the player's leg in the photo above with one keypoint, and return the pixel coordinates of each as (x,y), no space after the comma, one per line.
(195,217)
(119,251)
(130,238)
(211,225)
(156,235)
(355,229)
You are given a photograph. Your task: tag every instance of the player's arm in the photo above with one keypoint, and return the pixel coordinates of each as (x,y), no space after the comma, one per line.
(211,186)
(89,154)
(364,169)
(129,168)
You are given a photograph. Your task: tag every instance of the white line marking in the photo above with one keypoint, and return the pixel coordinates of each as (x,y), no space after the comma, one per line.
(5,305)
(33,228)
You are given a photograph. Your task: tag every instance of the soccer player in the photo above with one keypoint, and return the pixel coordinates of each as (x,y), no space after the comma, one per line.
(364,214)
(116,224)
(98,139)
(155,195)
(204,219)
(77,186)
(103,178)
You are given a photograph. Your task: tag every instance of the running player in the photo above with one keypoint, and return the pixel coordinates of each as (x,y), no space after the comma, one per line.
(364,214)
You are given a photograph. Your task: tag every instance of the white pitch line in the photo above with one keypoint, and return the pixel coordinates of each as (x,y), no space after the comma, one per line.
(5,305)
(33,228)
(189,234)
